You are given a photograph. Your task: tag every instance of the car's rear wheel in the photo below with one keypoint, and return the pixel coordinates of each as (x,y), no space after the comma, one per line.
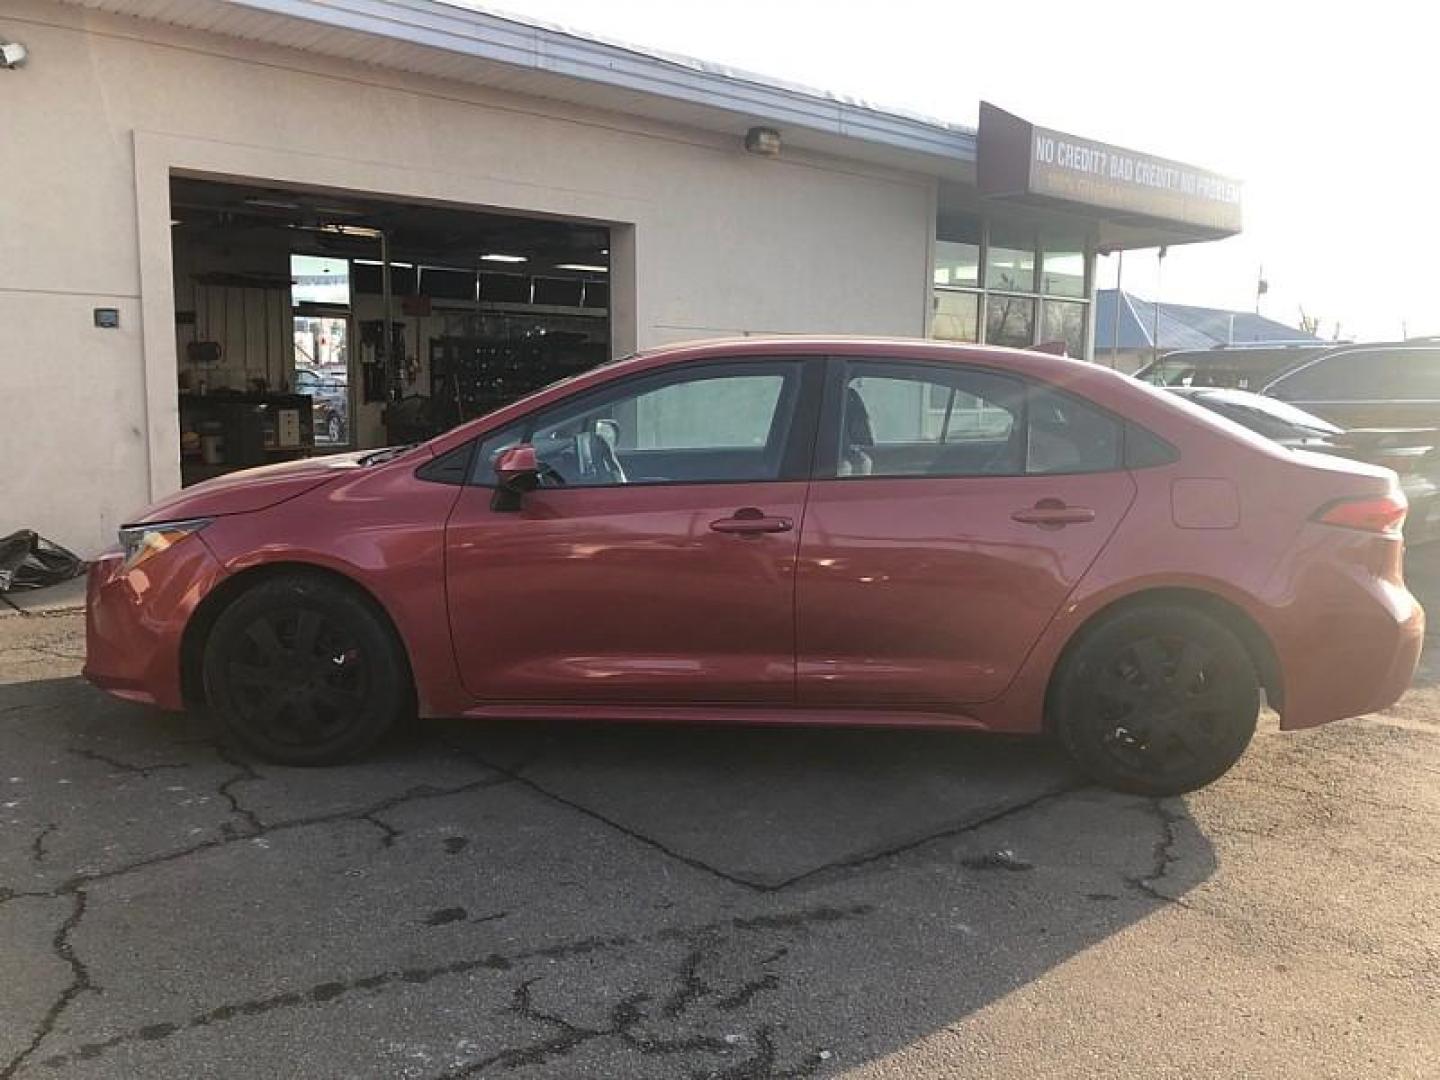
(304,671)
(1156,700)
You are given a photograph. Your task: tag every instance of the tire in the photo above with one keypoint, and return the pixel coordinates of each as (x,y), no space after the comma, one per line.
(1156,700)
(304,671)
(334,431)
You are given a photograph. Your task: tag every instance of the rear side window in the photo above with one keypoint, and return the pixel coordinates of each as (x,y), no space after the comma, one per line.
(900,420)
(1365,375)
(1067,435)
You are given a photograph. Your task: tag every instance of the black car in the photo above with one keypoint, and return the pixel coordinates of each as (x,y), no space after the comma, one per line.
(1414,453)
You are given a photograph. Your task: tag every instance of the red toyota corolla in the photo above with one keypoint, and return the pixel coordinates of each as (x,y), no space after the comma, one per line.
(788,531)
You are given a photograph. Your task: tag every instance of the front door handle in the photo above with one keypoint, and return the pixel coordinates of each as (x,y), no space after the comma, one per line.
(1053,514)
(749,521)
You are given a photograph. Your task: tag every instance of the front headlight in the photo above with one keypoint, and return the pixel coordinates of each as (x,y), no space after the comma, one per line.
(142,542)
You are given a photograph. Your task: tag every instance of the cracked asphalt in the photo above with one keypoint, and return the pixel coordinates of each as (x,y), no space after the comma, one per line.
(560,901)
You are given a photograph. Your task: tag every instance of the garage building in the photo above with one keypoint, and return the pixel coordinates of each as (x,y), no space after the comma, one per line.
(243,232)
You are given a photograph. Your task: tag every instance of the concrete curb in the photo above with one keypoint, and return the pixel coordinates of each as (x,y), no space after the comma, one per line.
(61,599)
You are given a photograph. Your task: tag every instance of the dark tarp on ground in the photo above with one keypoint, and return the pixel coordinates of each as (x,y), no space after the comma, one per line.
(29,561)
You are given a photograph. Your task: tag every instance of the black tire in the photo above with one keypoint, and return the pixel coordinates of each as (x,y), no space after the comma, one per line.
(1156,700)
(305,671)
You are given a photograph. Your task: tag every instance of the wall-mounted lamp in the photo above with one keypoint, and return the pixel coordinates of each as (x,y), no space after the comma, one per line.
(12,55)
(763,141)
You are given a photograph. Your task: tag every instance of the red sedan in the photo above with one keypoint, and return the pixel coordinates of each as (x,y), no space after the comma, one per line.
(785,531)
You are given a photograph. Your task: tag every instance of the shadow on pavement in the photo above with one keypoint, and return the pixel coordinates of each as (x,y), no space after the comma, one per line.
(551,900)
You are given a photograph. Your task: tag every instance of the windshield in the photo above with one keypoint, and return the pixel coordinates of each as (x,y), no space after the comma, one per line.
(1168,373)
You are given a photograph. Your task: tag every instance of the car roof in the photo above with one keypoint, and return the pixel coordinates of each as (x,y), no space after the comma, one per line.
(1268,357)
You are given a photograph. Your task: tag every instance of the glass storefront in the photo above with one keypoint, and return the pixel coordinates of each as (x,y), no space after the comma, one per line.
(957,316)
(1065,321)
(1010,320)
(1006,284)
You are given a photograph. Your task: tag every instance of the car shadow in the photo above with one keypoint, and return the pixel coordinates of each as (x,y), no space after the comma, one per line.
(717,901)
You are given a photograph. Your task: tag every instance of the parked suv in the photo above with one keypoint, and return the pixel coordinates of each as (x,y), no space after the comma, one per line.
(1226,368)
(1366,386)
(1393,385)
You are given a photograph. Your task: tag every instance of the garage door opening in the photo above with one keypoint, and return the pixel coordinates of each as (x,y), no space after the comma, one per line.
(310,322)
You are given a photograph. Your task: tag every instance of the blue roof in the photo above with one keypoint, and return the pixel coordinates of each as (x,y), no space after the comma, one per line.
(1182,326)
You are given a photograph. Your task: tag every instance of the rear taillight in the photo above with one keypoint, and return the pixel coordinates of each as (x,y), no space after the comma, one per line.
(1371,513)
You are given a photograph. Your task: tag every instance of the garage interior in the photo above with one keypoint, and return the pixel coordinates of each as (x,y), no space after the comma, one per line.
(282,299)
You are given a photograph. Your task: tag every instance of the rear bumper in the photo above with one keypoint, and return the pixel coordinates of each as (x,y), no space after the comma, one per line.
(135,621)
(1349,649)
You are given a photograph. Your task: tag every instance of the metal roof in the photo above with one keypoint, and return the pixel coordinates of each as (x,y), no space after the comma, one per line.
(1182,326)
(454,42)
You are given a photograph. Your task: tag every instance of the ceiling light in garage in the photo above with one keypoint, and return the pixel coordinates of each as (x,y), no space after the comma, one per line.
(589,268)
(362,231)
(494,257)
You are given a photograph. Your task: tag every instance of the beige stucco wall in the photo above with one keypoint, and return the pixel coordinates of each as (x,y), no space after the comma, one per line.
(722,242)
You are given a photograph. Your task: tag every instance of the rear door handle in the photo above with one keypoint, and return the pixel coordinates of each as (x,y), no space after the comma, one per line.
(1053,514)
(751,522)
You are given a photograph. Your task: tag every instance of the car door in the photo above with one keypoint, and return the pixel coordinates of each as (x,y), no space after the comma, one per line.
(656,563)
(954,509)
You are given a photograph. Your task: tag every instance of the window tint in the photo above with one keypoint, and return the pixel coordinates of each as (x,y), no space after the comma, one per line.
(707,424)
(1365,375)
(724,412)
(1066,435)
(898,421)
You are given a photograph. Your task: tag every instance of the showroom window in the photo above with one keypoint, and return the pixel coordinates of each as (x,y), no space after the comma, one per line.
(1006,284)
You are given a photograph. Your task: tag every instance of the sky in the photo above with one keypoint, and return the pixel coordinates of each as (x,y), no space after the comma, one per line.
(1326,112)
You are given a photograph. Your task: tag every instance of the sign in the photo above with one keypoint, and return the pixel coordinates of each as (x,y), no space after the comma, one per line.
(1021,161)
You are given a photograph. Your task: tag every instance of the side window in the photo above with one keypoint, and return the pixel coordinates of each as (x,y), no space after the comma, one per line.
(899,421)
(483,468)
(1331,378)
(723,412)
(1366,375)
(707,424)
(1067,435)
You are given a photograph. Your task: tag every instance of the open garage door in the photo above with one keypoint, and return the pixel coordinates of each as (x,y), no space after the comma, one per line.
(309,322)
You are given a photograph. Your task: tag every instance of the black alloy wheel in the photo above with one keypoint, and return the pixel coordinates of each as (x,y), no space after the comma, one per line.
(1157,701)
(304,671)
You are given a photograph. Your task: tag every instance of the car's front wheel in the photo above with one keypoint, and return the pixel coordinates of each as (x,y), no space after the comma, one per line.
(304,671)
(1156,700)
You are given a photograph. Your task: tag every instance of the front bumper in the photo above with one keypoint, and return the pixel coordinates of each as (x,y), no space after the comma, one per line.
(135,620)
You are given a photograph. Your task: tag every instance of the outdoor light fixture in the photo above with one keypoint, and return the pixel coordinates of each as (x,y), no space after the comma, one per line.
(589,268)
(495,257)
(764,141)
(12,55)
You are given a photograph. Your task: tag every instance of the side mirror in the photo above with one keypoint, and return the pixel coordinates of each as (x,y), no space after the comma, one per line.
(517,469)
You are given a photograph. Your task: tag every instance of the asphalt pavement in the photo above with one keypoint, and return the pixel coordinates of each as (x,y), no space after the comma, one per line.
(525,900)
